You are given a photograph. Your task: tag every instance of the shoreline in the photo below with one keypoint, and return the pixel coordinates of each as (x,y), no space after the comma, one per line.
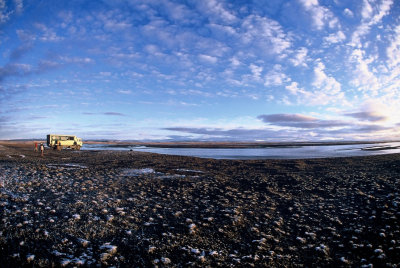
(122,208)
(233,145)
(211,144)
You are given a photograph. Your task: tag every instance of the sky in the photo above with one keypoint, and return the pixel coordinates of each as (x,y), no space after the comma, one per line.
(217,70)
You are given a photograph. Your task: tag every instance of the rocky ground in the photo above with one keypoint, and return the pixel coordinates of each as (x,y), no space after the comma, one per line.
(130,209)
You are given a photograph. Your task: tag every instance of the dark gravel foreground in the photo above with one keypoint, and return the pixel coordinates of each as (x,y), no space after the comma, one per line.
(130,209)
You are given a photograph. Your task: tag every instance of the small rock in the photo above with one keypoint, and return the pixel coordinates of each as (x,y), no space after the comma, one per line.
(30,257)
(165,260)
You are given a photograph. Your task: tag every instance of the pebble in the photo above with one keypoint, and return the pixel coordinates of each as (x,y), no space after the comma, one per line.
(30,257)
(165,260)
(255,213)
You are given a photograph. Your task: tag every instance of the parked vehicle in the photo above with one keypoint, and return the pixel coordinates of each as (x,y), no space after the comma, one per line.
(59,142)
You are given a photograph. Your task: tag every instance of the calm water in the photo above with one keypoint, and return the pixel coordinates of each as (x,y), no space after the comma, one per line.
(300,152)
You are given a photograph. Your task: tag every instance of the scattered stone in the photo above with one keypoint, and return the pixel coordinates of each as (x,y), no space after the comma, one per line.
(134,210)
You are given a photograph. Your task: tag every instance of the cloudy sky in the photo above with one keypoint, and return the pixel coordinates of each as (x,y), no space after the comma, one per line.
(205,70)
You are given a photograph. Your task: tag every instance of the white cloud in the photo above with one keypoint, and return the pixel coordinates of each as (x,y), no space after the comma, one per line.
(308,4)
(372,111)
(76,60)
(320,15)
(153,50)
(4,14)
(293,88)
(324,82)
(160,31)
(383,10)
(268,35)
(25,36)
(105,74)
(208,58)
(393,50)
(19,5)
(363,77)
(177,11)
(125,92)
(348,12)
(219,11)
(225,29)
(276,77)
(361,31)
(314,98)
(367,10)
(369,19)
(235,62)
(337,37)
(256,71)
(7,10)
(195,92)
(300,57)
(47,34)
(381,111)
(113,20)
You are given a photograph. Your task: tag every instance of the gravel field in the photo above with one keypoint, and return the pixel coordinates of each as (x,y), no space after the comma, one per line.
(131,209)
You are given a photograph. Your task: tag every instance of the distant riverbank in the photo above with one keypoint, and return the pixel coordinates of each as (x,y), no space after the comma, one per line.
(229,144)
(256,150)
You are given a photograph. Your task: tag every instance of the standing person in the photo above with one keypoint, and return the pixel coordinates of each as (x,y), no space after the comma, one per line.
(42,149)
(36,146)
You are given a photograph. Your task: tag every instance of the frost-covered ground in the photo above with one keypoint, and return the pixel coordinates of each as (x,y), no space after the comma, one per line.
(135,209)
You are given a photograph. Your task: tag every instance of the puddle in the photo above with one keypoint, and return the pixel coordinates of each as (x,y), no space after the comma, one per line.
(17,156)
(149,171)
(67,166)
(137,172)
(189,170)
(173,176)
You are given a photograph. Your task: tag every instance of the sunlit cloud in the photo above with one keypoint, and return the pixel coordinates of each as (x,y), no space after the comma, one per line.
(367,116)
(300,121)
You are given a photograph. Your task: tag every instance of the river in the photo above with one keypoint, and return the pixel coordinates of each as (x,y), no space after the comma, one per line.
(290,152)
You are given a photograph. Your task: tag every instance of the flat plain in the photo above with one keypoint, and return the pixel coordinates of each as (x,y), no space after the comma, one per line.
(132,209)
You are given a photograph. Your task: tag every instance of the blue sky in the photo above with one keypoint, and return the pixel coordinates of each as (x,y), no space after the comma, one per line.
(272,70)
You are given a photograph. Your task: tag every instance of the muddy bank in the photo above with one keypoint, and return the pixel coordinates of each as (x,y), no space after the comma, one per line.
(92,208)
